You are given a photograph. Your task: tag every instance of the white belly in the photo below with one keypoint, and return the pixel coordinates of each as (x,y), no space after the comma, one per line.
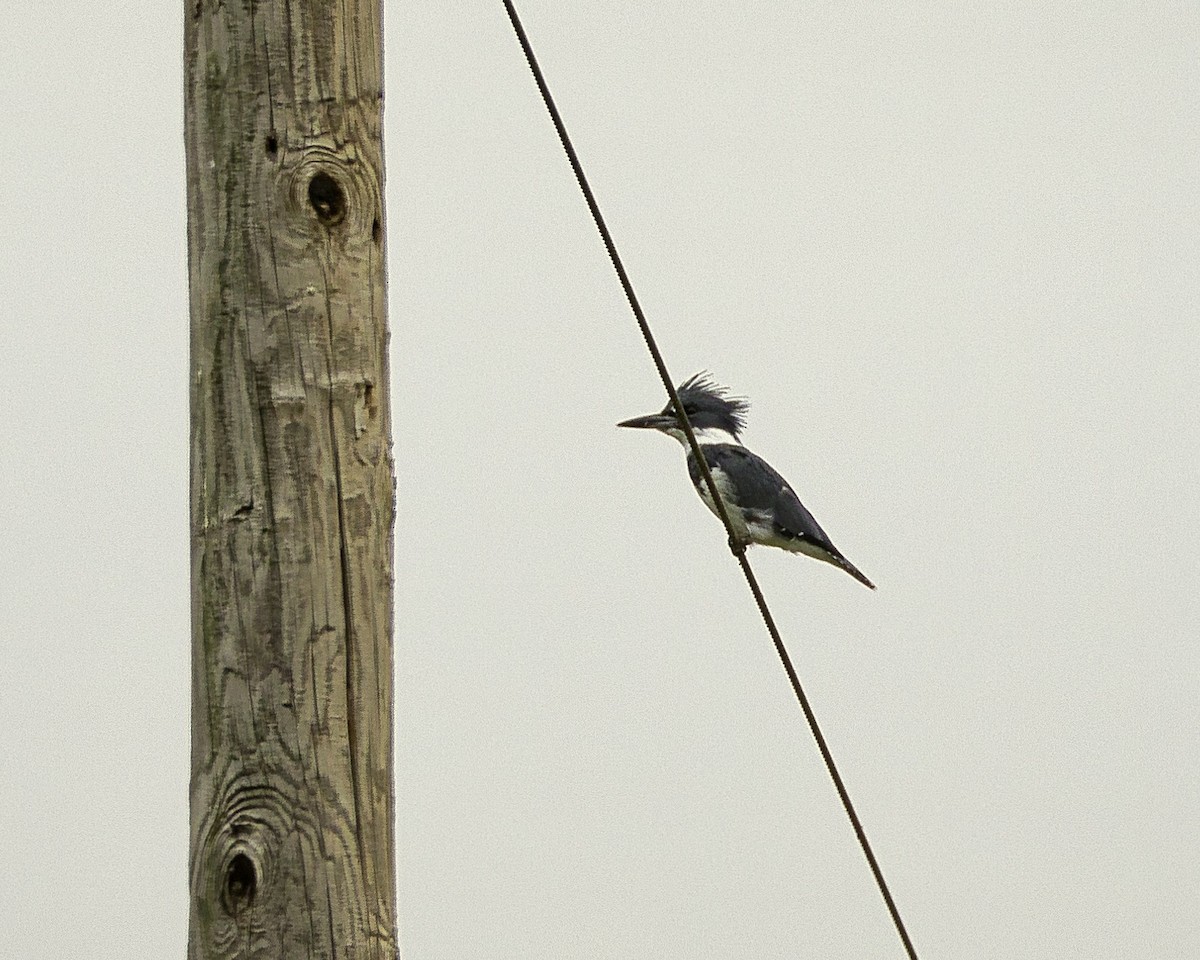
(747,532)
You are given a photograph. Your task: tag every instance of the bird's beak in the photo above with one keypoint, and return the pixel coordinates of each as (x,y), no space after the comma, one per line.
(654,421)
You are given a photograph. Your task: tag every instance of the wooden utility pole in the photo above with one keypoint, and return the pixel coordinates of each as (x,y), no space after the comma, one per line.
(291,483)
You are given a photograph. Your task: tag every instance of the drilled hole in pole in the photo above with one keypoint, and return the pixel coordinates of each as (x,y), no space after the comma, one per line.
(327,198)
(241,881)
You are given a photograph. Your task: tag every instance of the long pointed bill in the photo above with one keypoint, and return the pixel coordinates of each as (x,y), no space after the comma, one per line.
(654,421)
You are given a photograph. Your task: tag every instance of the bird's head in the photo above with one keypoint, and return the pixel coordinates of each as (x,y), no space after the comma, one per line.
(712,412)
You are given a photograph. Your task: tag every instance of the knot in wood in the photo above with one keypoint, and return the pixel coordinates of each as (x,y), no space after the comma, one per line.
(332,191)
(239,850)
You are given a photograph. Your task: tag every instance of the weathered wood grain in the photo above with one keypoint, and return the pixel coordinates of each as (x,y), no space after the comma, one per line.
(291,483)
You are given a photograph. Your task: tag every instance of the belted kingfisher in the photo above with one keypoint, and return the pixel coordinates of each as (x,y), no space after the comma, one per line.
(762,506)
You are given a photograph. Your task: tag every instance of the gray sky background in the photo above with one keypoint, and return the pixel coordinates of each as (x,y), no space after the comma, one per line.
(947,249)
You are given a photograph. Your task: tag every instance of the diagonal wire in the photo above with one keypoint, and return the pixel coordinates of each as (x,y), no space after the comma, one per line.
(735,545)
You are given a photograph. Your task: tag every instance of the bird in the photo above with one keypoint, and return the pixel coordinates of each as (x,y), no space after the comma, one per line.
(762,506)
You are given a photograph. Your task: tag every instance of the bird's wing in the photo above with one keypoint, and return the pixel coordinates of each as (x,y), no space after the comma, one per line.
(763,496)
(760,489)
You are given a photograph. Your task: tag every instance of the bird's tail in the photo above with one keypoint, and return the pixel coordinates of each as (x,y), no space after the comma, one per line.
(851,569)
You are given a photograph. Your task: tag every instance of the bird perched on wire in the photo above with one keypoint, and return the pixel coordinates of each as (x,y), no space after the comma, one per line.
(761,505)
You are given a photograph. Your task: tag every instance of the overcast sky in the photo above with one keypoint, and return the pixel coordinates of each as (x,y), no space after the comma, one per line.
(949,250)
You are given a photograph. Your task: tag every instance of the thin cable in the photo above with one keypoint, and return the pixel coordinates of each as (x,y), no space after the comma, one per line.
(735,545)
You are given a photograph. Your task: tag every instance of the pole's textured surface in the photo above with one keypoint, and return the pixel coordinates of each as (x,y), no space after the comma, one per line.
(292,848)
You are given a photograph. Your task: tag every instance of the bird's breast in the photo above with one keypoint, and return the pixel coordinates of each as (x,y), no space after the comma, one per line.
(727,490)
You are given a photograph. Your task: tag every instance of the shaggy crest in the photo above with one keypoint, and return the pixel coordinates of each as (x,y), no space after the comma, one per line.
(706,400)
